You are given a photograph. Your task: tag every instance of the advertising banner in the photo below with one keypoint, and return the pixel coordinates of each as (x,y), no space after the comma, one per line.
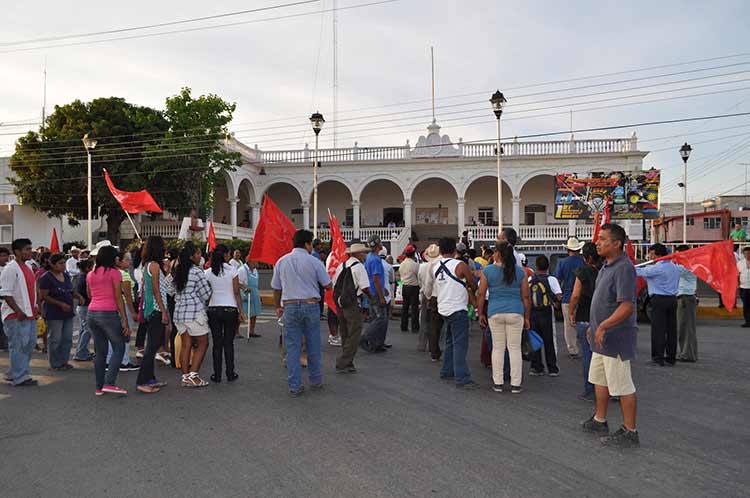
(629,195)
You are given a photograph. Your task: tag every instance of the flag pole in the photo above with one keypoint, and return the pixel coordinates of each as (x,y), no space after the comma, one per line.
(137,236)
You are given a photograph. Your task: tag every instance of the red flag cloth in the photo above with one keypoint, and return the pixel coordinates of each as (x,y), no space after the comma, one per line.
(273,235)
(133,202)
(641,282)
(716,265)
(337,256)
(54,246)
(597,227)
(211,237)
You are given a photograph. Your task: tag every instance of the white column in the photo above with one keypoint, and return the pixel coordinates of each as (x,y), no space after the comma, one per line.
(256,215)
(306,215)
(407,213)
(355,218)
(233,201)
(517,213)
(461,215)
(571,228)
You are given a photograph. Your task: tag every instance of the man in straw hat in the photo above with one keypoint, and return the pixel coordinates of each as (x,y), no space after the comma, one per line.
(426,331)
(349,283)
(566,275)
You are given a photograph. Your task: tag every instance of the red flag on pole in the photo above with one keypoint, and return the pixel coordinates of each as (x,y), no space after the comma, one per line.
(54,246)
(273,235)
(598,222)
(211,237)
(716,265)
(337,256)
(133,202)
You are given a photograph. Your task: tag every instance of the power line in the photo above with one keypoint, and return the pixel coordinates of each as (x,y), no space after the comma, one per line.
(187,30)
(158,25)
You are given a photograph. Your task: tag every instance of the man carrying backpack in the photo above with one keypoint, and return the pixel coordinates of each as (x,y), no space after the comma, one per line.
(545,291)
(349,283)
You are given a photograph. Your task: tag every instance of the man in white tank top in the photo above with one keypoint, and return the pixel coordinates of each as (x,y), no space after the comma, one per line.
(453,281)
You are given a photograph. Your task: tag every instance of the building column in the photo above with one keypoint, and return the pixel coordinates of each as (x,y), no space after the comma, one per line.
(256,215)
(516,213)
(571,228)
(461,215)
(407,214)
(233,202)
(355,218)
(306,215)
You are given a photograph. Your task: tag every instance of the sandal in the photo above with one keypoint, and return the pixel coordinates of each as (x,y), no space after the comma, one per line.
(147,389)
(193,380)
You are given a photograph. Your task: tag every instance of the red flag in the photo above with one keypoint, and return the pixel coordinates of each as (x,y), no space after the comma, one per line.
(273,235)
(133,202)
(337,256)
(716,265)
(598,222)
(54,246)
(211,237)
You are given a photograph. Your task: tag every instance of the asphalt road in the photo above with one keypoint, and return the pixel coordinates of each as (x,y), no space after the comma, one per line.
(392,430)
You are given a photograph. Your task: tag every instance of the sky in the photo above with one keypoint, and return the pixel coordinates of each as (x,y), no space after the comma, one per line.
(279,71)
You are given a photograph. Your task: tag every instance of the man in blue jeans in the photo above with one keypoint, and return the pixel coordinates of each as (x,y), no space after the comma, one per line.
(19,313)
(374,339)
(296,282)
(454,281)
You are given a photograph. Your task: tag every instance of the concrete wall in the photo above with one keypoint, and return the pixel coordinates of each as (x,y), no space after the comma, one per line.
(38,227)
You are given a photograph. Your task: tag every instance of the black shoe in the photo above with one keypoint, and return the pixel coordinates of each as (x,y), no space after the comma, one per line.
(215,378)
(595,427)
(379,349)
(28,383)
(352,369)
(232,377)
(298,392)
(365,345)
(498,388)
(316,387)
(536,373)
(516,389)
(658,361)
(389,346)
(669,363)
(622,438)
(745,325)
(468,386)
(685,360)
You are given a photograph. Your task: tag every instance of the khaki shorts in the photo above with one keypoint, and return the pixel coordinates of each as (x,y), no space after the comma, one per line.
(193,328)
(612,373)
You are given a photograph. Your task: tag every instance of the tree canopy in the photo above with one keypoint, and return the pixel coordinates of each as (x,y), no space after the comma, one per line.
(176,154)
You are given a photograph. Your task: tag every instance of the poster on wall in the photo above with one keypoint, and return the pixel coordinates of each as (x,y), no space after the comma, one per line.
(629,195)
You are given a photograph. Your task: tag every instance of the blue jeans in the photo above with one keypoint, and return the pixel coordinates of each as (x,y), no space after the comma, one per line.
(105,327)
(21,342)
(84,336)
(126,354)
(378,327)
(302,319)
(456,348)
(581,327)
(59,341)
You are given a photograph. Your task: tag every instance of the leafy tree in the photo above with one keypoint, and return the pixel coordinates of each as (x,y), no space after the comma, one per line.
(176,154)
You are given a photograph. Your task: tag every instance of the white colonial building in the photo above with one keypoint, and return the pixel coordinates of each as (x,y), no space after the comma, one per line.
(432,189)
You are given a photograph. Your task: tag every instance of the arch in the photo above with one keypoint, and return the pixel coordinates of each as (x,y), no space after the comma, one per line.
(480,195)
(537,196)
(435,201)
(277,180)
(430,176)
(246,196)
(335,178)
(372,179)
(333,194)
(514,189)
(381,200)
(232,184)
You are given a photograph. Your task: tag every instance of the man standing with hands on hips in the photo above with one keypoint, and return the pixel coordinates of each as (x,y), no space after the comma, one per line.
(612,334)
(296,280)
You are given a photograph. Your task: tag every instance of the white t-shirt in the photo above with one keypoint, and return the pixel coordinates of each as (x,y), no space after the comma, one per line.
(391,275)
(235,264)
(359,274)
(554,285)
(71,266)
(222,287)
(744,274)
(451,295)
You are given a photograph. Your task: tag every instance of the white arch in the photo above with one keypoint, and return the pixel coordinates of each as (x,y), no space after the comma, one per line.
(232,185)
(382,176)
(334,178)
(484,174)
(429,176)
(247,178)
(276,180)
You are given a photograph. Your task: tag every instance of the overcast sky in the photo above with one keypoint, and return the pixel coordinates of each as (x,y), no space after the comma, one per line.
(279,71)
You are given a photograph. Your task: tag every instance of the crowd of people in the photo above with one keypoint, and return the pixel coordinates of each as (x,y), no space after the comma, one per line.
(173,300)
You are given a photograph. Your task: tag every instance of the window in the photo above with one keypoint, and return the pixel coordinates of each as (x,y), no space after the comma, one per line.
(485,215)
(690,222)
(740,221)
(6,234)
(349,221)
(712,223)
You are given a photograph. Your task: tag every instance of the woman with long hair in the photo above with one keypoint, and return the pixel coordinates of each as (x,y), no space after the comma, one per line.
(192,291)
(223,310)
(580,307)
(107,319)
(57,293)
(508,309)
(155,312)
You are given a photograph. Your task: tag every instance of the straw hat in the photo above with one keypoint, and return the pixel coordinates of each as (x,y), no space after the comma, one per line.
(357,248)
(99,245)
(573,244)
(432,252)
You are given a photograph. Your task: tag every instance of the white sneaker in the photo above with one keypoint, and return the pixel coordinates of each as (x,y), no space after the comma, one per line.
(334,340)
(162,359)
(139,354)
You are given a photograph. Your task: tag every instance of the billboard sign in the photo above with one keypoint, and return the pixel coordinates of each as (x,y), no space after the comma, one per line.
(630,195)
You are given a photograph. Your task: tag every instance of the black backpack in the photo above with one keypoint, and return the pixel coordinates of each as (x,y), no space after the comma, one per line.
(541,296)
(345,291)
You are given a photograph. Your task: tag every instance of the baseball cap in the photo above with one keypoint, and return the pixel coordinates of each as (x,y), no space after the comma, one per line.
(373,241)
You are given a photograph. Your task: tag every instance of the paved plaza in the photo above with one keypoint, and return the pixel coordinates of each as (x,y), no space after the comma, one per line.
(392,430)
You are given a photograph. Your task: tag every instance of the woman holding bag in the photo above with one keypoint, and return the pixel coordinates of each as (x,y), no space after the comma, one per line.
(508,310)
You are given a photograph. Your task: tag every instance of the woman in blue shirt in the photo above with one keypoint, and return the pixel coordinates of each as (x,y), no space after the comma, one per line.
(508,309)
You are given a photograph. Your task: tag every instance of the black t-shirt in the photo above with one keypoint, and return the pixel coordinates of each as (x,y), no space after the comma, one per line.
(587,275)
(82,289)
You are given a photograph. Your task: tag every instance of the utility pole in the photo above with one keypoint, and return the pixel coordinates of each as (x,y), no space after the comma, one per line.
(335,72)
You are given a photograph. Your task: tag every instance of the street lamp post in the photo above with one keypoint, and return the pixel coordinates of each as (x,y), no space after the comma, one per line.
(685,154)
(317,124)
(89,144)
(497,101)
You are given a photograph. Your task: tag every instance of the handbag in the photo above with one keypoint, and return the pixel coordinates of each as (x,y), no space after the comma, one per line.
(531,342)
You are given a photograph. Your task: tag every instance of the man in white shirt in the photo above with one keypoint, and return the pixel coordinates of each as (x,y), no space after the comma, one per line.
(743,266)
(348,310)
(236,261)
(409,273)
(431,254)
(71,265)
(4,256)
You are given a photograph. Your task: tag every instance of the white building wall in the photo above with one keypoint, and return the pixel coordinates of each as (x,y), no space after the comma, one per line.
(38,227)
(483,193)
(377,196)
(435,193)
(540,190)
(333,196)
